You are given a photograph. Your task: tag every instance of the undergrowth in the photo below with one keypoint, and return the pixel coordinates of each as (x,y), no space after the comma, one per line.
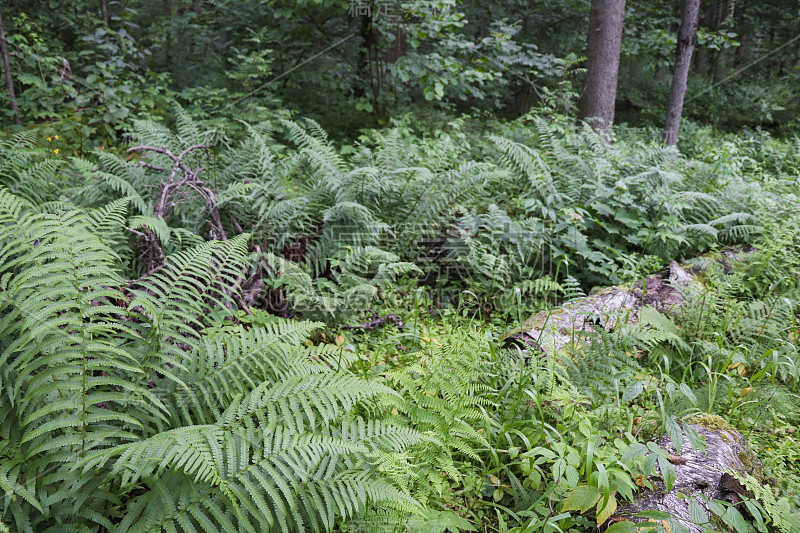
(186,341)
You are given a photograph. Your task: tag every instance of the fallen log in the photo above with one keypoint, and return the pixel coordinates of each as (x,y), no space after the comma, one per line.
(700,476)
(549,331)
(378,321)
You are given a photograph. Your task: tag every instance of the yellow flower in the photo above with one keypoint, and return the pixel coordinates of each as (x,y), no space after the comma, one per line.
(55,151)
(49,139)
(56,137)
(769,449)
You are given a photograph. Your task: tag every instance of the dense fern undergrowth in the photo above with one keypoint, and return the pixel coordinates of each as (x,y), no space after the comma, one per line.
(180,349)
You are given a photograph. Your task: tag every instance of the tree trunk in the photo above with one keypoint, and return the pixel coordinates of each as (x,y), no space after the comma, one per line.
(720,66)
(702,55)
(166,7)
(9,80)
(602,63)
(745,32)
(687,35)
(363,68)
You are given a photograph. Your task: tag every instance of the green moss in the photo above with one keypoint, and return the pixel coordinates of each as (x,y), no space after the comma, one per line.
(747,460)
(713,423)
(751,463)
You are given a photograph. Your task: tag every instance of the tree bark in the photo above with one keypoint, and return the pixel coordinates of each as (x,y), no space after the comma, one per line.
(702,55)
(687,35)
(746,34)
(721,63)
(9,80)
(602,63)
(166,6)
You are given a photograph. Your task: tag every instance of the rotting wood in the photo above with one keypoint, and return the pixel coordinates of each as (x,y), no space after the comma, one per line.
(552,330)
(700,475)
(378,321)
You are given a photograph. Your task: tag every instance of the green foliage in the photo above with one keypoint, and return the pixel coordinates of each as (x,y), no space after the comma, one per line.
(150,379)
(766,508)
(167,395)
(115,403)
(358,278)
(440,395)
(89,89)
(574,206)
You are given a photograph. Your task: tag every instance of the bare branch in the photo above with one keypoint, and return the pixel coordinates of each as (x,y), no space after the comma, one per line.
(174,186)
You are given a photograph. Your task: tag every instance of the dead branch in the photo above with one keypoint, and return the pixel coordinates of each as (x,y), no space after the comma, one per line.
(378,321)
(182,177)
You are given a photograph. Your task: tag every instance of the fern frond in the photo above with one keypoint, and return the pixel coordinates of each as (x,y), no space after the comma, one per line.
(114,180)
(316,147)
(275,481)
(174,301)
(526,161)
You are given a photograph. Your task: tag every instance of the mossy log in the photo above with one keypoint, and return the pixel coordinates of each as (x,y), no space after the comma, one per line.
(700,475)
(553,330)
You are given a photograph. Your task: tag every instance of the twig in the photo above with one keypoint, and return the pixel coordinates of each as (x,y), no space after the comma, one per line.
(181,176)
(378,321)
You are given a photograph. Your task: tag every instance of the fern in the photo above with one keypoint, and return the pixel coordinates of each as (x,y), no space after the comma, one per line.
(358,276)
(121,179)
(528,162)
(174,301)
(139,415)
(68,386)
(440,395)
(778,510)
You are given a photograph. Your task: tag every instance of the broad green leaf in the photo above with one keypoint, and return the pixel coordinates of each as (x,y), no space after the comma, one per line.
(606,512)
(623,526)
(697,440)
(716,507)
(697,514)
(602,482)
(559,467)
(688,393)
(572,476)
(654,515)
(676,526)
(667,472)
(544,452)
(634,390)
(658,450)
(753,507)
(734,519)
(674,432)
(633,452)
(581,498)
(441,521)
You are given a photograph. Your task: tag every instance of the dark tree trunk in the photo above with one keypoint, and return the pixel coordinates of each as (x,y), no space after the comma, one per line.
(12,98)
(702,54)
(687,35)
(602,63)
(363,67)
(166,7)
(743,50)
(722,61)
